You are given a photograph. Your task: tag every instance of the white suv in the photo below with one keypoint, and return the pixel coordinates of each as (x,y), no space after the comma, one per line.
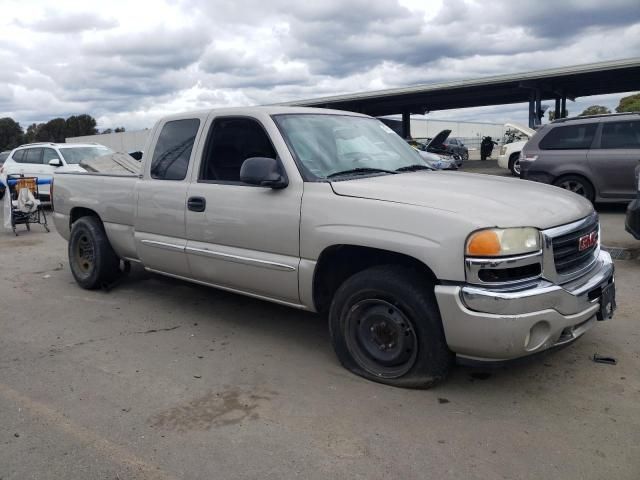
(516,138)
(42,159)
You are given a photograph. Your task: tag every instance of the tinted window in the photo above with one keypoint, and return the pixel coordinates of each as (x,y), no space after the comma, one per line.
(18,156)
(620,135)
(171,156)
(49,154)
(33,155)
(231,141)
(570,137)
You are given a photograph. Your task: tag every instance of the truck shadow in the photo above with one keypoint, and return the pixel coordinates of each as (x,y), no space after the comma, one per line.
(277,326)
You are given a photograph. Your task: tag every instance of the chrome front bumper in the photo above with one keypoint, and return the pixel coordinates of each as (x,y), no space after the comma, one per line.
(493,325)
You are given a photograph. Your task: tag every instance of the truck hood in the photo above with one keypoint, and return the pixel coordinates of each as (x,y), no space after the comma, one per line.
(484,200)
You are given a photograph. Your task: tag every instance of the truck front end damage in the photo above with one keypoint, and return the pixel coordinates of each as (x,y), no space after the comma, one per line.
(512,306)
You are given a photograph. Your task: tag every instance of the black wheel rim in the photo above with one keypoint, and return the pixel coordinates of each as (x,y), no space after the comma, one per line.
(381,338)
(574,186)
(84,254)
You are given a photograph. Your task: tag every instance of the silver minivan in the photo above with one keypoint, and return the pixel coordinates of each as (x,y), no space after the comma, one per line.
(592,156)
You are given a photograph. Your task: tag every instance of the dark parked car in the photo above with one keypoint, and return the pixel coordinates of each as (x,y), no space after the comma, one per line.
(441,144)
(455,145)
(592,156)
(632,222)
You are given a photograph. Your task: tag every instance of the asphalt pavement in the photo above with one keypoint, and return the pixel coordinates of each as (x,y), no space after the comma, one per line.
(159,378)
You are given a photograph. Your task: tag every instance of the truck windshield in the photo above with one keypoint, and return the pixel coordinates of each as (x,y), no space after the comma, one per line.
(329,145)
(75,155)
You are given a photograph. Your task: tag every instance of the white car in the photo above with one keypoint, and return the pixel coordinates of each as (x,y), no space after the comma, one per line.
(42,159)
(517,136)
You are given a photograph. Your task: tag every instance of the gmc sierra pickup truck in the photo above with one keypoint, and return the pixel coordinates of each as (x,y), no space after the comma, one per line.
(332,212)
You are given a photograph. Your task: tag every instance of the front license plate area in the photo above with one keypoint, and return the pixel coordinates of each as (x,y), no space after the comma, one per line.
(607,302)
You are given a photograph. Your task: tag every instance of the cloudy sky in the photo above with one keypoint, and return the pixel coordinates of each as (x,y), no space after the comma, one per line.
(128,62)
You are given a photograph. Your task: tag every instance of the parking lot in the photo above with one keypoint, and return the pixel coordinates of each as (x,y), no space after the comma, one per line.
(162,379)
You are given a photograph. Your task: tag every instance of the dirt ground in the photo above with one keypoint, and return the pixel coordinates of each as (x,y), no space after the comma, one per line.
(162,379)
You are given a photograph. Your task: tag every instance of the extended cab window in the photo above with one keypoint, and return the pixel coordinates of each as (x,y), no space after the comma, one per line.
(570,137)
(620,135)
(231,141)
(32,155)
(171,156)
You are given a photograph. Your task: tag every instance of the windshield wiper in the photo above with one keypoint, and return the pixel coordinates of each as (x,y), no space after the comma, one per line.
(352,171)
(414,168)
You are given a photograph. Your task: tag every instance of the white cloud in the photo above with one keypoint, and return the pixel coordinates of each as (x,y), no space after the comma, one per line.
(128,63)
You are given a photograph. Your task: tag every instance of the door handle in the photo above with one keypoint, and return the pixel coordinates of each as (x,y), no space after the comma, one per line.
(196,204)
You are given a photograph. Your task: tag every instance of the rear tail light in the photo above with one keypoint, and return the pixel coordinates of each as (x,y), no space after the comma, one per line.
(530,158)
(51,195)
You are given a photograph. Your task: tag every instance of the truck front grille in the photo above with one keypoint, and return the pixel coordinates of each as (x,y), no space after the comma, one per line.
(567,255)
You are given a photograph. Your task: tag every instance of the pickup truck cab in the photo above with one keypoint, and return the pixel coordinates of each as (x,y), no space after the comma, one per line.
(333,212)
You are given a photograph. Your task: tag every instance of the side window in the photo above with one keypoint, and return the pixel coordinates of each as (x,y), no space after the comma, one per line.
(230,142)
(18,157)
(171,156)
(48,155)
(620,135)
(33,155)
(570,137)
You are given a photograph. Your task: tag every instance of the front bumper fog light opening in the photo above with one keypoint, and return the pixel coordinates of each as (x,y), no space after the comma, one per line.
(537,336)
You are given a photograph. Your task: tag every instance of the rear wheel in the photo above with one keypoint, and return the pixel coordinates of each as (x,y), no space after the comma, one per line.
(514,164)
(385,326)
(576,184)
(91,258)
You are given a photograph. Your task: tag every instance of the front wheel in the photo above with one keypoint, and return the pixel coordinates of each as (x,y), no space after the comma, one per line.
(385,326)
(91,258)
(514,164)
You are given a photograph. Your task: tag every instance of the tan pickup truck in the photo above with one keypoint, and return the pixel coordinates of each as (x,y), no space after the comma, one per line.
(333,212)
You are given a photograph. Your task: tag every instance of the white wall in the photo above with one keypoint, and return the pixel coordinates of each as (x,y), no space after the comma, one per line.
(124,142)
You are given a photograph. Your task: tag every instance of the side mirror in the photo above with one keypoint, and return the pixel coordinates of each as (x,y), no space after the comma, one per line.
(262,171)
(55,162)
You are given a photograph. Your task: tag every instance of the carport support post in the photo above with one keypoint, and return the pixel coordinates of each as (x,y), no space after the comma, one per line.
(406,125)
(532,112)
(563,108)
(556,113)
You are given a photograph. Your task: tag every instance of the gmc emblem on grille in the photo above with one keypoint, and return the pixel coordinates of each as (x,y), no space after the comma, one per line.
(587,241)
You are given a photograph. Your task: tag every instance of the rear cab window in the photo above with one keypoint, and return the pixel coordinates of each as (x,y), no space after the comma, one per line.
(33,155)
(173,148)
(569,137)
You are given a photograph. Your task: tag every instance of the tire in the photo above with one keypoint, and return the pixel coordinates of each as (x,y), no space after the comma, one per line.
(514,164)
(91,258)
(576,184)
(396,305)
(465,155)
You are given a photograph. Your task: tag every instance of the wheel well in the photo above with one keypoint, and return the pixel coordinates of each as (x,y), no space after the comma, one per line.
(339,262)
(79,212)
(513,157)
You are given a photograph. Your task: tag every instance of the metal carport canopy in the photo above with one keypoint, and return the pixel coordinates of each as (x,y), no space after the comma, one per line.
(568,82)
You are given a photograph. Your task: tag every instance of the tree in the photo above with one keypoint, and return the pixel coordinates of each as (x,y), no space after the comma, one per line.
(80,125)
(32,132)
(53,131)
(10,134)
(629,104)
(552,115)
(119,129)
(595,110)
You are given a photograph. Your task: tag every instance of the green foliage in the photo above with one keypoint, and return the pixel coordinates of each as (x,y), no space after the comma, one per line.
(10,134)
(595,110)
(629,104)
(552,115)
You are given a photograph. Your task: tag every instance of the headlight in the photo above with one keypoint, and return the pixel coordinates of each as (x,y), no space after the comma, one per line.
(503,150)
(497,242)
